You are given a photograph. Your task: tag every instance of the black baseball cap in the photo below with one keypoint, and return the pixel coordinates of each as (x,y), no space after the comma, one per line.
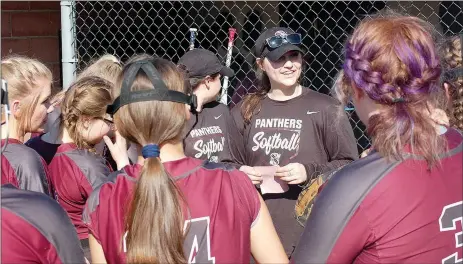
(200,63)
(262,50)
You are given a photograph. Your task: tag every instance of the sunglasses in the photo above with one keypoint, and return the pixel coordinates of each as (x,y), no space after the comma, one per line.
(276,41)
(108,120)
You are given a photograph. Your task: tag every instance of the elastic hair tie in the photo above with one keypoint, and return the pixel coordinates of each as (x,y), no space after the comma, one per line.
(398,100)
(150,151)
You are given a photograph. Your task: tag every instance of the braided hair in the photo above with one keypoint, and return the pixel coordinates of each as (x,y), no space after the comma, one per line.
(393,60)
(87,97)
(452,60)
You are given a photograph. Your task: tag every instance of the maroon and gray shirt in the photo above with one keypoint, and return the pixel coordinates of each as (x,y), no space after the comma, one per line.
(75,173)
(379,211)
(303,130)
(222,205)
(24,168)
(210,134)
(35,229)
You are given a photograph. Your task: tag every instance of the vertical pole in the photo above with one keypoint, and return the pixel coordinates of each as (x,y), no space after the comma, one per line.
(231,38)
(68,41)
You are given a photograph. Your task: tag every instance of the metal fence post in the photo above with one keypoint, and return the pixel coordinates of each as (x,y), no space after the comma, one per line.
(67,41)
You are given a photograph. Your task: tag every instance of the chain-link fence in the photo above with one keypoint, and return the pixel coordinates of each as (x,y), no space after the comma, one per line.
(126,28)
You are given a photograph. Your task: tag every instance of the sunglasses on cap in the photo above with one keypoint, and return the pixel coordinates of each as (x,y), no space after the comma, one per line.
(276,41)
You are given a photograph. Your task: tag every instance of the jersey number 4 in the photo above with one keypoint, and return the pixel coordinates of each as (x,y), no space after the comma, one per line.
(197,245)
(452,214)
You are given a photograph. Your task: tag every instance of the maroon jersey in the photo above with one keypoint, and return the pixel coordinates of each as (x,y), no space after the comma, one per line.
(375,211)
(35,229)
(304,130)
(222,203)
(211,133)
(24,168)
(75,174)
(45,149)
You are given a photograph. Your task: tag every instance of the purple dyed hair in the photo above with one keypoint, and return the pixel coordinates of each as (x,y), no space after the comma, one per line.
(394,61)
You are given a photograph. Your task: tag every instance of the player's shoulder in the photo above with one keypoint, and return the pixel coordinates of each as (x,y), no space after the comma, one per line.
(224,171)
(129,173)
(359,177)
(236,109)
(215,106)
(23,154)
(215,166)
(195,169)
(87,161)
(216,109)
(116,184)
(85,157)
(319,99)
(34,207)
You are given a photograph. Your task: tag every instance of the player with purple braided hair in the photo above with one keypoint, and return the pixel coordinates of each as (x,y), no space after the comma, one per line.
(401,76)
(402,203)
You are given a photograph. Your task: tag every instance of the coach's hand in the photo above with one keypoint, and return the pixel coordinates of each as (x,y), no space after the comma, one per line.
(293,173)
(253,174)
(118,150)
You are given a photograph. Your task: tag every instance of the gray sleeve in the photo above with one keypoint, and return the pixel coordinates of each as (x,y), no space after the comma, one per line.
(334,209)
(93,168)
(92,202)
(37,183)
(30,169)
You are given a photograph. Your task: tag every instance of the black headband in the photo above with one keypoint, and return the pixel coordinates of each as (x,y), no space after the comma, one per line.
(159,93)
(453,74)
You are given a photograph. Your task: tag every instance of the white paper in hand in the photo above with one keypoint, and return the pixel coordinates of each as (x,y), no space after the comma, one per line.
(270,183)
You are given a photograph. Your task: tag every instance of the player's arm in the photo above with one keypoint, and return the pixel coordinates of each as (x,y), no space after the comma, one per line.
(340,144)
(234,152)
(266,246)
(238,138)
(90,218)
(96,250)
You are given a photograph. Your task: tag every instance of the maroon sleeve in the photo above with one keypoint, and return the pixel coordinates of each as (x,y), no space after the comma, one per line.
(35,229)
(354,237)
(237,146)
(8,175)
(339,142)
(246,193)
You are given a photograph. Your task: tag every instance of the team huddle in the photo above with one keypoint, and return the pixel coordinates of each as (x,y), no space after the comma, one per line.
(138,162)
